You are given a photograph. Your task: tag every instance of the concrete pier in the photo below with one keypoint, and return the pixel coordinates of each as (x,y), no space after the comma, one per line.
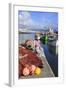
(46,71)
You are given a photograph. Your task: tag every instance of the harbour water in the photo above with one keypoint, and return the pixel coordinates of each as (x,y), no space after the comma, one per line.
(52,60)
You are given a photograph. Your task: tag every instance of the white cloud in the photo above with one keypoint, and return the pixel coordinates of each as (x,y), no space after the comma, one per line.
(25,20)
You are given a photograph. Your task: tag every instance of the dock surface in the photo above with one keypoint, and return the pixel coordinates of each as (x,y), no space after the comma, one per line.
(46,71)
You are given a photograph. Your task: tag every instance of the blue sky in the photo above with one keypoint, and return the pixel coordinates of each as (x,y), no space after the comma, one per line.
(38,19)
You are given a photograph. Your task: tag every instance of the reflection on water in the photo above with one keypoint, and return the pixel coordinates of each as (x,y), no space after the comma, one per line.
(23,37)
(52,60)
